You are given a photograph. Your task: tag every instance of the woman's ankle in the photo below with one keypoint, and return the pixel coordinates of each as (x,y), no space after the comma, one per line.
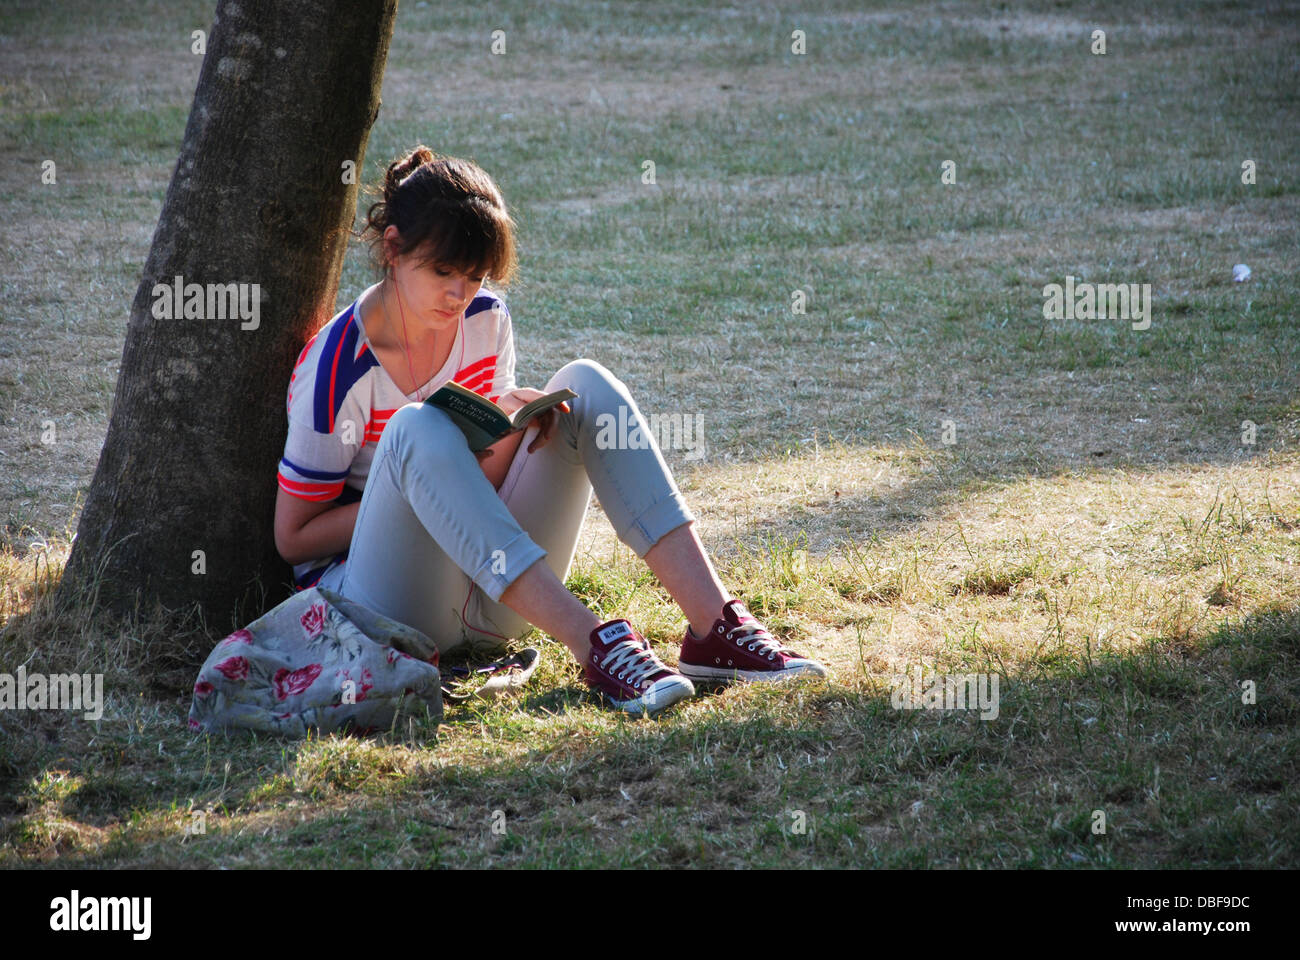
(578,644)
(539,597)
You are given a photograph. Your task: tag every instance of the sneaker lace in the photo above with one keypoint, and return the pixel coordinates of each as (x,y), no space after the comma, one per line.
(632,661)
(759,639)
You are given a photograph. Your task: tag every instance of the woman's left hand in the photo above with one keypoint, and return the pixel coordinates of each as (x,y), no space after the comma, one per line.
(512,401)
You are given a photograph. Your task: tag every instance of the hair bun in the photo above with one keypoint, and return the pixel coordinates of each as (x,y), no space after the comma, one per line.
(402,168)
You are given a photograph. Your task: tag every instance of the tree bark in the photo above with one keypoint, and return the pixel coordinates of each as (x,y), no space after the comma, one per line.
(179,513)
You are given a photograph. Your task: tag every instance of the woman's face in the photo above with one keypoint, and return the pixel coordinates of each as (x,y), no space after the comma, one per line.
(437,295)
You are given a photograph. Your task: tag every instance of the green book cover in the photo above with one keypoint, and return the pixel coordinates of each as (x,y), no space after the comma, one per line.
(481,420)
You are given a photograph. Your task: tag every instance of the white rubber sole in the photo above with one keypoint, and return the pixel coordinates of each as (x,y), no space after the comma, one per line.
(795,668)
(659,697)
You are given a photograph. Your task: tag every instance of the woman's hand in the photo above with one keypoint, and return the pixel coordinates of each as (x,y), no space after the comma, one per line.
(512,401)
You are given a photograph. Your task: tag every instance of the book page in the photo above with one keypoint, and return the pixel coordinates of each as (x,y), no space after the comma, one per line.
(540,405)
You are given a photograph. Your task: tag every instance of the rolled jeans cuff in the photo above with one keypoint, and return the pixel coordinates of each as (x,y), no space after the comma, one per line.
(661,518)
(506,564)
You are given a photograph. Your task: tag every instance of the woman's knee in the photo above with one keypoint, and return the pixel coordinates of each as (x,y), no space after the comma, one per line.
(587,378)
(422,426)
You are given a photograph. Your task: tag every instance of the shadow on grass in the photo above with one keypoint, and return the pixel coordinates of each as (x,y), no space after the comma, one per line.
(1158,737)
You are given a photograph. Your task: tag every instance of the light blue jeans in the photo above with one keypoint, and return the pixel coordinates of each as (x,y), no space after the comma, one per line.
(431,532)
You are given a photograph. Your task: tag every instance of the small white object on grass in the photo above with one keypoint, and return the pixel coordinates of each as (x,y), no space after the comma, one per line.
(1241,273)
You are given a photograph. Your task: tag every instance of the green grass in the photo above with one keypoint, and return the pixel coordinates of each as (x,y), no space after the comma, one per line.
(1097,534)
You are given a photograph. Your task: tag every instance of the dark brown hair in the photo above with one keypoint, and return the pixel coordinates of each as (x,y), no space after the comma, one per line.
(448,209)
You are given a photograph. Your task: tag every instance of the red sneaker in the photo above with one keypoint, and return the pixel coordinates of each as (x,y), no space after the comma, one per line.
(740,648)
(623,669)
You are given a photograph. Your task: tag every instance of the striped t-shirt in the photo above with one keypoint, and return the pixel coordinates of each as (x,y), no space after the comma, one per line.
(340,398)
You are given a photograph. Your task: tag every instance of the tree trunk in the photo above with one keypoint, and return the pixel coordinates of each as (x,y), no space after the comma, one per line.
(180,510)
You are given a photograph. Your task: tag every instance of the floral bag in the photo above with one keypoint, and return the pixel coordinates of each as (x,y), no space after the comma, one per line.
(317,661)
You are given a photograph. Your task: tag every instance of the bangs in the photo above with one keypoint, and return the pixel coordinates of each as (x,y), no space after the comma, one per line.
(474,245)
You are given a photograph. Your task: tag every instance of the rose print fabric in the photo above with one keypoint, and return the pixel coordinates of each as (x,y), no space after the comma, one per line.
(318,662)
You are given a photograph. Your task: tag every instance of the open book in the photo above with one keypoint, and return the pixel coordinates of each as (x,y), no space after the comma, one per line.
(481,420)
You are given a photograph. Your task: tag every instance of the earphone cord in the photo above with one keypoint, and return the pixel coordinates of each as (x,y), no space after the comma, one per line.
(466,622)
(405,342)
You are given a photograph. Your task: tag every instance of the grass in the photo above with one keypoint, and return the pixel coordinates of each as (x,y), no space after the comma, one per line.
(919,469)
